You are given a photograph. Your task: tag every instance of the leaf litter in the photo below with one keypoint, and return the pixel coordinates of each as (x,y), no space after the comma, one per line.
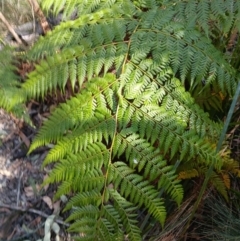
(25,206)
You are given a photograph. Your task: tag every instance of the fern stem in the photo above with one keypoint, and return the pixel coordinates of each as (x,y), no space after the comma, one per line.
(116,117)
(110,156)
(210,169)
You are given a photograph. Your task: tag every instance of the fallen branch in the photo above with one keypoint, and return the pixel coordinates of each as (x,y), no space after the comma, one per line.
(39,13)
(10,28)
(31,210)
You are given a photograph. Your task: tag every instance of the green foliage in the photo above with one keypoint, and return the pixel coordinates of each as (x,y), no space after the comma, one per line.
(9,80)
(138,68)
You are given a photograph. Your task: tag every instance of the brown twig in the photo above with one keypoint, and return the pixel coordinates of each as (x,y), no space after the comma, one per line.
(39,13)
(232,40)
(31,210)
(10,28)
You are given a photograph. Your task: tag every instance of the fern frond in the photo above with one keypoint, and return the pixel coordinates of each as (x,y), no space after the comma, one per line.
(85,227)
(142,156)
(92,197)
(73,33)
(110,219)
(81,7)
(163,93)
(94,132)
(94,42)
(128,216)
(93,157)
(67,118)
(9,81)
(86,211)
(134,187)
(89,181)
(138,69)
(107,219)
(86,62)
(211,17)
(152,120)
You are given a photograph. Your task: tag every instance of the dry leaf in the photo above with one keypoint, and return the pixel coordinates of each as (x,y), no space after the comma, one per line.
(47,185)
(24,139)
(36,221)
(30,191)
(56,207)
(48,201)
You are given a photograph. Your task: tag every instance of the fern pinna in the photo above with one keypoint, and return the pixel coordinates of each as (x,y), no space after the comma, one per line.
(117,141)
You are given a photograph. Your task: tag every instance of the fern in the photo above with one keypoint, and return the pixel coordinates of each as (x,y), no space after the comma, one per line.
(212,17)
(138,69)
(9,78)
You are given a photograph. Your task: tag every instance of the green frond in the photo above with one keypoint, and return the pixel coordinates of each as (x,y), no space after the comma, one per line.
(127,212)
(86,211)
(85,30)
(86,61)
(88,181)
(139,191)
(142,156)
(92,197)
(106,227)
(67,118)
(85,227)
(193,53)
(81,7)
(171,95)
(186,44)
(107,220)
(212,17)
(165,131)
(9,81)
(106,231)
(77,165)
(96,131)
(111,214)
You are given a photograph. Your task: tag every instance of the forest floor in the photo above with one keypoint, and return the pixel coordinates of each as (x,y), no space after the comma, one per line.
(25,206)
